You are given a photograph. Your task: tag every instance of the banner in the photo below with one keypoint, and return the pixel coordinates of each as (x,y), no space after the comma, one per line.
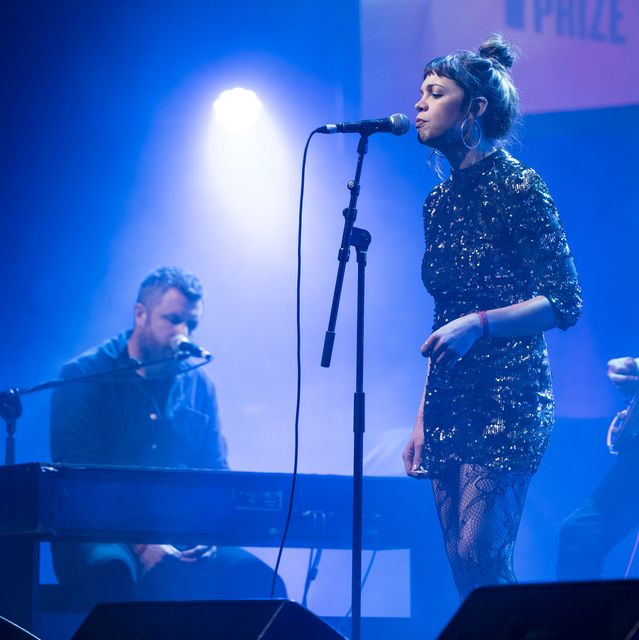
(574,54)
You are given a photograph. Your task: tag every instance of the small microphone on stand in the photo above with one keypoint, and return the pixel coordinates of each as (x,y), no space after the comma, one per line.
(181,344)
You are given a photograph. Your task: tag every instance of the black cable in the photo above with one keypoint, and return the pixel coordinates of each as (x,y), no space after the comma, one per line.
(299,369)
(315,555)
(309,577)
(364,579)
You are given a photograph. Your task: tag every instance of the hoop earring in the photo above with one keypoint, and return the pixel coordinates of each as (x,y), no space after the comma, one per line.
(463,134)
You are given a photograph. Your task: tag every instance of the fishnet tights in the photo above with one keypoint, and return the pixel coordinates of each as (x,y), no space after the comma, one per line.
(479,512)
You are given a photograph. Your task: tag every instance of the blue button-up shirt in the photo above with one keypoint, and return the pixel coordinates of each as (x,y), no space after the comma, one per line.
(125,419)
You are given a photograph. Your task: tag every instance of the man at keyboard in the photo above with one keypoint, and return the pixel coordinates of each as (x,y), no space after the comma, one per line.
(163,415)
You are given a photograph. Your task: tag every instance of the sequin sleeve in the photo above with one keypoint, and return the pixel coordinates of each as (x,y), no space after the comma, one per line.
(534,225)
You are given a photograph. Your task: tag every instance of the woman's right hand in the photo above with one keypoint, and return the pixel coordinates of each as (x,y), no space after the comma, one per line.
(412,455)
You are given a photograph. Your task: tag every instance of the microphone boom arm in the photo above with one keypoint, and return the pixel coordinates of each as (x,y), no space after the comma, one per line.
(350,215)
(11,407)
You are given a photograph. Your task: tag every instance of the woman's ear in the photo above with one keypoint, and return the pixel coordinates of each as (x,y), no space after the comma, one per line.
(478,106)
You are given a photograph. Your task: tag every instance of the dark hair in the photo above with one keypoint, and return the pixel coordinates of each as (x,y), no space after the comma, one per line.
(155,285)
(484,74)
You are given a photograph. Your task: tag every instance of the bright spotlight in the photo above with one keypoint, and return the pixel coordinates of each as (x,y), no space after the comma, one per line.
(237,109)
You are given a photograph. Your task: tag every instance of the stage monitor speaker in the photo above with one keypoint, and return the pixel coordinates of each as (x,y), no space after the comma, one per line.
(605,610)
(204,620)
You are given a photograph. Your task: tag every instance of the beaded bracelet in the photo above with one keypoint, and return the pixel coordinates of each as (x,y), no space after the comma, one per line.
(483,321)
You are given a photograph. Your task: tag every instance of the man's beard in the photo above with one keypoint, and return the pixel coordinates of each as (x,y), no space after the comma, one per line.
(151,349)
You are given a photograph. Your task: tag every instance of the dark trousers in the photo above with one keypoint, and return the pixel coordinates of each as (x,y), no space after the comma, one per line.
(111,572)
(602,521)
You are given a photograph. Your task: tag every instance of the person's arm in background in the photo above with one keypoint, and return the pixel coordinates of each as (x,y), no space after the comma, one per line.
(624,373)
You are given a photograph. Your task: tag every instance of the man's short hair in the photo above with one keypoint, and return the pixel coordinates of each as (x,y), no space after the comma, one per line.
(156,284)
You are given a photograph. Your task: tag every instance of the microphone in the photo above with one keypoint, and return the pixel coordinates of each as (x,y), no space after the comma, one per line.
(182,344)
(398,124)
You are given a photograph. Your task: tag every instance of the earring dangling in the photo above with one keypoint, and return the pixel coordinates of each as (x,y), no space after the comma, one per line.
(463,134)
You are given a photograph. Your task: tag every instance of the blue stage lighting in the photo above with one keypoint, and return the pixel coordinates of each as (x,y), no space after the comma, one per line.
(237,109)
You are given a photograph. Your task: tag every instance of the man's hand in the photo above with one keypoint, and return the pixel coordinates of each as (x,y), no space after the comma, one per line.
(450,342)
(150,555)
(624,372)
(200,552)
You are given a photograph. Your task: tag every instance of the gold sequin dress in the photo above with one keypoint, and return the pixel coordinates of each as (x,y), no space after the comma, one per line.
(493,238)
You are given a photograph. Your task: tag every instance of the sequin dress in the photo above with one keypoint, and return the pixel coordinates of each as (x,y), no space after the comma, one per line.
(493,238)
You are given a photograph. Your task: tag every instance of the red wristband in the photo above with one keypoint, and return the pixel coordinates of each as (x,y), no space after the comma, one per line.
(483,321)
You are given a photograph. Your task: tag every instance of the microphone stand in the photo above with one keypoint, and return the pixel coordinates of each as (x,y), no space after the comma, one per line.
(360,239)
(11,406)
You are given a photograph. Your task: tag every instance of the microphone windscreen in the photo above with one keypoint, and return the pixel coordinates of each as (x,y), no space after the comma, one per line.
(400,124)
(177,341)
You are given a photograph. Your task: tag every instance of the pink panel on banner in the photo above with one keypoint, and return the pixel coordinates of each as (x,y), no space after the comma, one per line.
(575,54)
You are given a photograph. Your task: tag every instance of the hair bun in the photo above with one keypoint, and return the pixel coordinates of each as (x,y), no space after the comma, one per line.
(498,50)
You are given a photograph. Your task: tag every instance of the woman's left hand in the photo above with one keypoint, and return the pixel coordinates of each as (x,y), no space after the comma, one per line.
(450,342)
